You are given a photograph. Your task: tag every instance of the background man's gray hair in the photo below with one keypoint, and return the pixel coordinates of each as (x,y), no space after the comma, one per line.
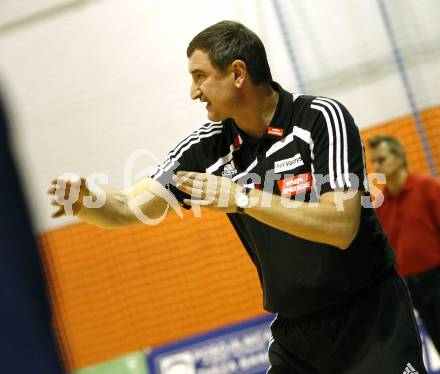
(394,145)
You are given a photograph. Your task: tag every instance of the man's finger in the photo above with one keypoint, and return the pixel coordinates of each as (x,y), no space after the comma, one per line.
(184,173)
(182,181)
(193,202)
(198,193)
(190,190)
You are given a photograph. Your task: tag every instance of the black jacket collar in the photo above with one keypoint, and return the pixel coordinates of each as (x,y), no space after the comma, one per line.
(281,120)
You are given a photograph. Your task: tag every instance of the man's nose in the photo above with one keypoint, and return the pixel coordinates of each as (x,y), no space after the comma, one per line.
(195,91)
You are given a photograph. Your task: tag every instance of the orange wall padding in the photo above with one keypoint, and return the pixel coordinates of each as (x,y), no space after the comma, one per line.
(117,291)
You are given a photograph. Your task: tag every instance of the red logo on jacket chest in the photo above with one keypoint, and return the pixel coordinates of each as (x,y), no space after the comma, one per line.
(296,184)
(275,131)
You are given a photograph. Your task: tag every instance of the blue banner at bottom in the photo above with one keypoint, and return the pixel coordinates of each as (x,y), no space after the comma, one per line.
(237,349)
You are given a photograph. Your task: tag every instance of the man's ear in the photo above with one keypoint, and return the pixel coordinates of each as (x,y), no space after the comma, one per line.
(240,71)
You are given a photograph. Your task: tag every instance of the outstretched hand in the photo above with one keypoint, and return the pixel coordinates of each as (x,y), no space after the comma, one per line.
(67,195)
(214,192)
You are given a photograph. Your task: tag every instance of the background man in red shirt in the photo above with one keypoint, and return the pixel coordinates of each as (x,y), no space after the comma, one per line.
(410,215)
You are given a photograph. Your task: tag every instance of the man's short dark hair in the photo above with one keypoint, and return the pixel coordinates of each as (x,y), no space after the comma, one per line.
(394,145)
(227,41)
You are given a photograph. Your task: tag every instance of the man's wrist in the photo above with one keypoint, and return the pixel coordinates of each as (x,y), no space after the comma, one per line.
(242,200)
(254,197)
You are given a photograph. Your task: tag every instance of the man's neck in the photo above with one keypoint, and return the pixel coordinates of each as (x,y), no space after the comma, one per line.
(396,181)
(257,110)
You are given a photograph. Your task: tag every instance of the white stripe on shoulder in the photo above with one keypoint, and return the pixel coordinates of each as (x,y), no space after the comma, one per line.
(330,143)
(171,160)
(205,129)
(338,143)
(344,138)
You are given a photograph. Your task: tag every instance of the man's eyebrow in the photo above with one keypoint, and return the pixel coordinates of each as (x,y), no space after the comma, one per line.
(195,71)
